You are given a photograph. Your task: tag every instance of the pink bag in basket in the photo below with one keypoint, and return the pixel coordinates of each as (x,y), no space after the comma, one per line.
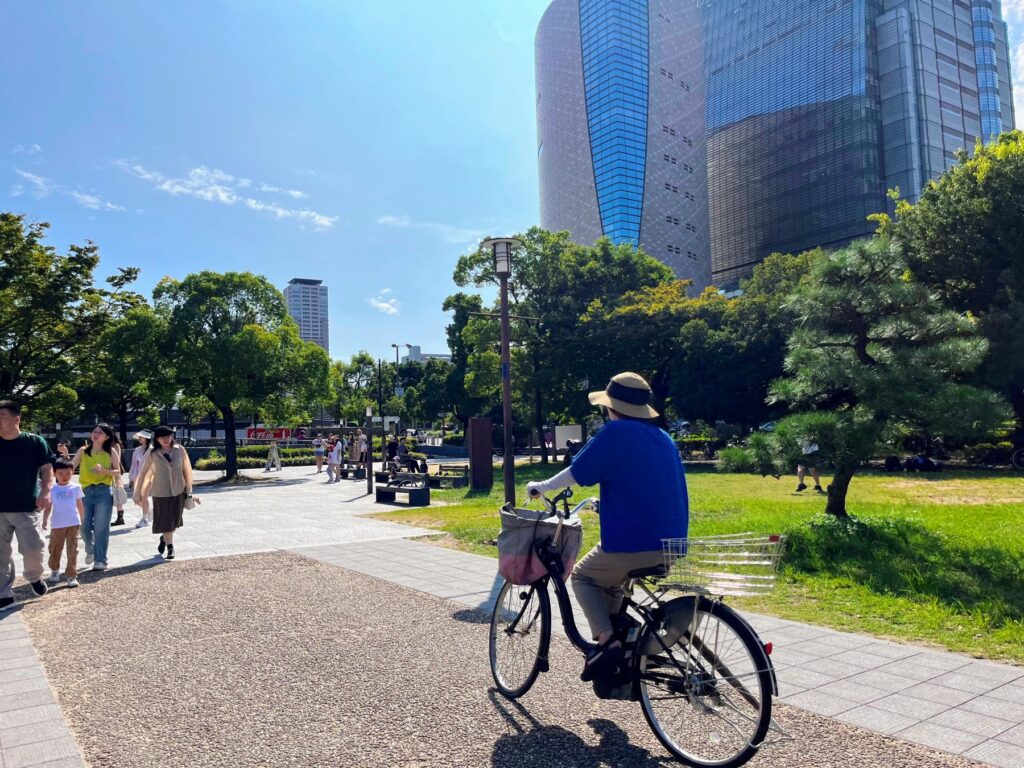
(520,529)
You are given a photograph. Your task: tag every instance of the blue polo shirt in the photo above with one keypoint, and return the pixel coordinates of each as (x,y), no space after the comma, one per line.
(643,485)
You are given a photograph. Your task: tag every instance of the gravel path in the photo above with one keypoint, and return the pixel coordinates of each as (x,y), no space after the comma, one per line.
(278,660)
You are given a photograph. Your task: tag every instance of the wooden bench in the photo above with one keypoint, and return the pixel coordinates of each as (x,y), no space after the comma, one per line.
(413,485)
(358,471)
(451,476)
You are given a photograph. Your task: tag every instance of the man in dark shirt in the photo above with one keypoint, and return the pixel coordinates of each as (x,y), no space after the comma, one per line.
(25,479)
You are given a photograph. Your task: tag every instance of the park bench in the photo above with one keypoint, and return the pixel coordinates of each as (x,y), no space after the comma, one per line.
(450,476)
(358,471)
(413,485)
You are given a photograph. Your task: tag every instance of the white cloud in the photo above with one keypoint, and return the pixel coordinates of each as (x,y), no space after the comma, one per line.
(448,232)
(31,149)
(44,187)
(217,186)
(16,191)
(387,306)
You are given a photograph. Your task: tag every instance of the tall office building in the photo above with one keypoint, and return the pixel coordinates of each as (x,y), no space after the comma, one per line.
(816,107)
(620,124)
(307,304)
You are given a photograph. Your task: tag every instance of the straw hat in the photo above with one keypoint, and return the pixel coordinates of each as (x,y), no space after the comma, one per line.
(629,394)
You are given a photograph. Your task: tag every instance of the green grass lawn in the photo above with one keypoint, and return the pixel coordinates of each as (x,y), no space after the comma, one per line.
(935,559)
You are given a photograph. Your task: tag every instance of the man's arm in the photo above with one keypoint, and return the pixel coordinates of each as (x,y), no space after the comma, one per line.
(45,483)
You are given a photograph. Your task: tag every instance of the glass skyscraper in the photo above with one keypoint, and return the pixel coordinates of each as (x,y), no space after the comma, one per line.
(816,107)
(307,305)
(620,123)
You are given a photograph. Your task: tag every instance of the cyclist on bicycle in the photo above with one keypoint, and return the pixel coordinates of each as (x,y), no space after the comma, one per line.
(643,500)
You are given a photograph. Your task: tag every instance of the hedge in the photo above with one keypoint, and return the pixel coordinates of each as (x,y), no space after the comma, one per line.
(216,461)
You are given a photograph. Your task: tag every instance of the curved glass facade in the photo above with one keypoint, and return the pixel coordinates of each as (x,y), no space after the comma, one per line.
(988,75)
(615,47)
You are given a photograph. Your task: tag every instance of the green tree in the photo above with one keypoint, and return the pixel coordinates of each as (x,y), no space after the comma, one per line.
(126,372)
(873,356)
(463,404)
(964,239)
(230,339)
(555,280)
(49,312)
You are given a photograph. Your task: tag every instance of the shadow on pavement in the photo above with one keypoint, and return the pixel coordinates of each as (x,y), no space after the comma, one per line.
(531,743)
(214,487)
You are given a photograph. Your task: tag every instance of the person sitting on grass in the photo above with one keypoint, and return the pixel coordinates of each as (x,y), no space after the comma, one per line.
(643,500)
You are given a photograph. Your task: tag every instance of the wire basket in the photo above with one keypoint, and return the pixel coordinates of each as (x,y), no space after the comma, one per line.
(740,565)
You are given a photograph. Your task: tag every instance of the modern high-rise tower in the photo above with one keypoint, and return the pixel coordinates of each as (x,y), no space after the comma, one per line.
(816,107)
(307,304)
(620,125)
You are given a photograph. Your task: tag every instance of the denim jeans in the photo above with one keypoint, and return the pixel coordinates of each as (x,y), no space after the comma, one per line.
(99,507)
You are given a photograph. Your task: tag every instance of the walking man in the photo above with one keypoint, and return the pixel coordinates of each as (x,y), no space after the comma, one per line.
(26,477)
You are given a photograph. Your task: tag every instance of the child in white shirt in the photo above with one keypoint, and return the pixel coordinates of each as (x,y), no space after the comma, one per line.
(67,510)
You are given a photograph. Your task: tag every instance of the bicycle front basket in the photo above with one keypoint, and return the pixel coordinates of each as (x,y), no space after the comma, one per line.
(520,530)
(740,564)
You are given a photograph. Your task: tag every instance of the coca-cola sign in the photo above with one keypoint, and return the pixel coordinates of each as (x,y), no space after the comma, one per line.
(263,433)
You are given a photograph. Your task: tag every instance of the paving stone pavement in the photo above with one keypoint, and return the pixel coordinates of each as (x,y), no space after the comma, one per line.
(943,700)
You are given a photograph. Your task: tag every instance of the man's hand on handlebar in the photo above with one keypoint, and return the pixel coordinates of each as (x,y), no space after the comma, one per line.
(533,490)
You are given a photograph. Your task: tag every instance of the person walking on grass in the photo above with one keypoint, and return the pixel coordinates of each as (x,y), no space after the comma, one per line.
(273,457)
(26,476)
(144,438)
(99,466)
(808,462)
(636,514)
(65,512)
(166,475)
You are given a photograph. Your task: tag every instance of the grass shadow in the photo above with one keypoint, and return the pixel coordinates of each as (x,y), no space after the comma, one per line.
(902,557)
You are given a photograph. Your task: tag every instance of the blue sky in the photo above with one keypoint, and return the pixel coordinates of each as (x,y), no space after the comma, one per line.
(365,144)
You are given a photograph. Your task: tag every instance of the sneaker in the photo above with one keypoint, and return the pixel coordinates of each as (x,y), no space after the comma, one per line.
(818,489)
(142,523)
(89,558)
(54,578)
(170,552)
(801,487)
(6,603)
(38,587)
(72,582)
(99,566)
(162,545)
(602,661)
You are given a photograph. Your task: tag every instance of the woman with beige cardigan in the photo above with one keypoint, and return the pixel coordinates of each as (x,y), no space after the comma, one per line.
(166,475)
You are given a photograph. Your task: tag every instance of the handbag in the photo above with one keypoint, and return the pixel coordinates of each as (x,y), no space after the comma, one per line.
(190,502)
(120,496)
(521,530)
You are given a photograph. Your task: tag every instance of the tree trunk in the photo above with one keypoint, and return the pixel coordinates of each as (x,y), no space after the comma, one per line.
(538,419)
(213,425)
(836,504)
(122,423)
(660,392)
(230,454)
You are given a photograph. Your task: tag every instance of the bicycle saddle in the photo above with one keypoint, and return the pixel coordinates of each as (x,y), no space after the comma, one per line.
(644,573)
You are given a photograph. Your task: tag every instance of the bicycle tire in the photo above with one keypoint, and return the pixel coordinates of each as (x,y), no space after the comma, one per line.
(515,668)
(700,688)
(1017,458)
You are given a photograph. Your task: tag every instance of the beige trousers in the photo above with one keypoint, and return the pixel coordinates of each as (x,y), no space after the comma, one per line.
(60,539)
(24,525)
(598,579)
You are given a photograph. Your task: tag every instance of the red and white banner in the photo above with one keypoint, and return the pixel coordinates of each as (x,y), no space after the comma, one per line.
(263,433)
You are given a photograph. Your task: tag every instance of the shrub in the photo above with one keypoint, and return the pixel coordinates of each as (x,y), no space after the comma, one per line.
(736,459)
(987,453)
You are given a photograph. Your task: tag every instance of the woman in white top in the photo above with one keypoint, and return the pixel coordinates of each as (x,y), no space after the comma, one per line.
(144,436)
(333,454)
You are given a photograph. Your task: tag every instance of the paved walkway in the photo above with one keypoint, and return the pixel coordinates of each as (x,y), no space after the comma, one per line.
(943,700)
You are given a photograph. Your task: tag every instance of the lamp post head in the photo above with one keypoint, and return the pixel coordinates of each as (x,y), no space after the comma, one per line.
(501,251)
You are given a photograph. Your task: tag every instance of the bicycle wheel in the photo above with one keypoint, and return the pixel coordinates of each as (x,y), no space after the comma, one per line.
(520,636)
(708,701)
(1017,459)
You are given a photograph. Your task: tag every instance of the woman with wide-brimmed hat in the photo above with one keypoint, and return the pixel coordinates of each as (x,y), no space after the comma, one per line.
(643,500)
(144,437)
(166,475)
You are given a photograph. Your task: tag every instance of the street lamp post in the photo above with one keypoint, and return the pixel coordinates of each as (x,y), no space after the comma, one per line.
(501,250)
(398,392)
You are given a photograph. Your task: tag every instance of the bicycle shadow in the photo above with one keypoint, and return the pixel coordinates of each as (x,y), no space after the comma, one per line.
(534,745)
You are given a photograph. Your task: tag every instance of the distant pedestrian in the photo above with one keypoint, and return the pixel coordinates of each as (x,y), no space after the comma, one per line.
(808,463)
(166,475)
(353,448)
(333,458)
(547,438)
(64,515)
(318,452)
(144,437)
(392,448)
(362,446)
(99,465)
(273,457)
(26,476)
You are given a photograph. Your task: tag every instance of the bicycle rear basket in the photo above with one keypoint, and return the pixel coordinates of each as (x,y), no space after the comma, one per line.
(737,564)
